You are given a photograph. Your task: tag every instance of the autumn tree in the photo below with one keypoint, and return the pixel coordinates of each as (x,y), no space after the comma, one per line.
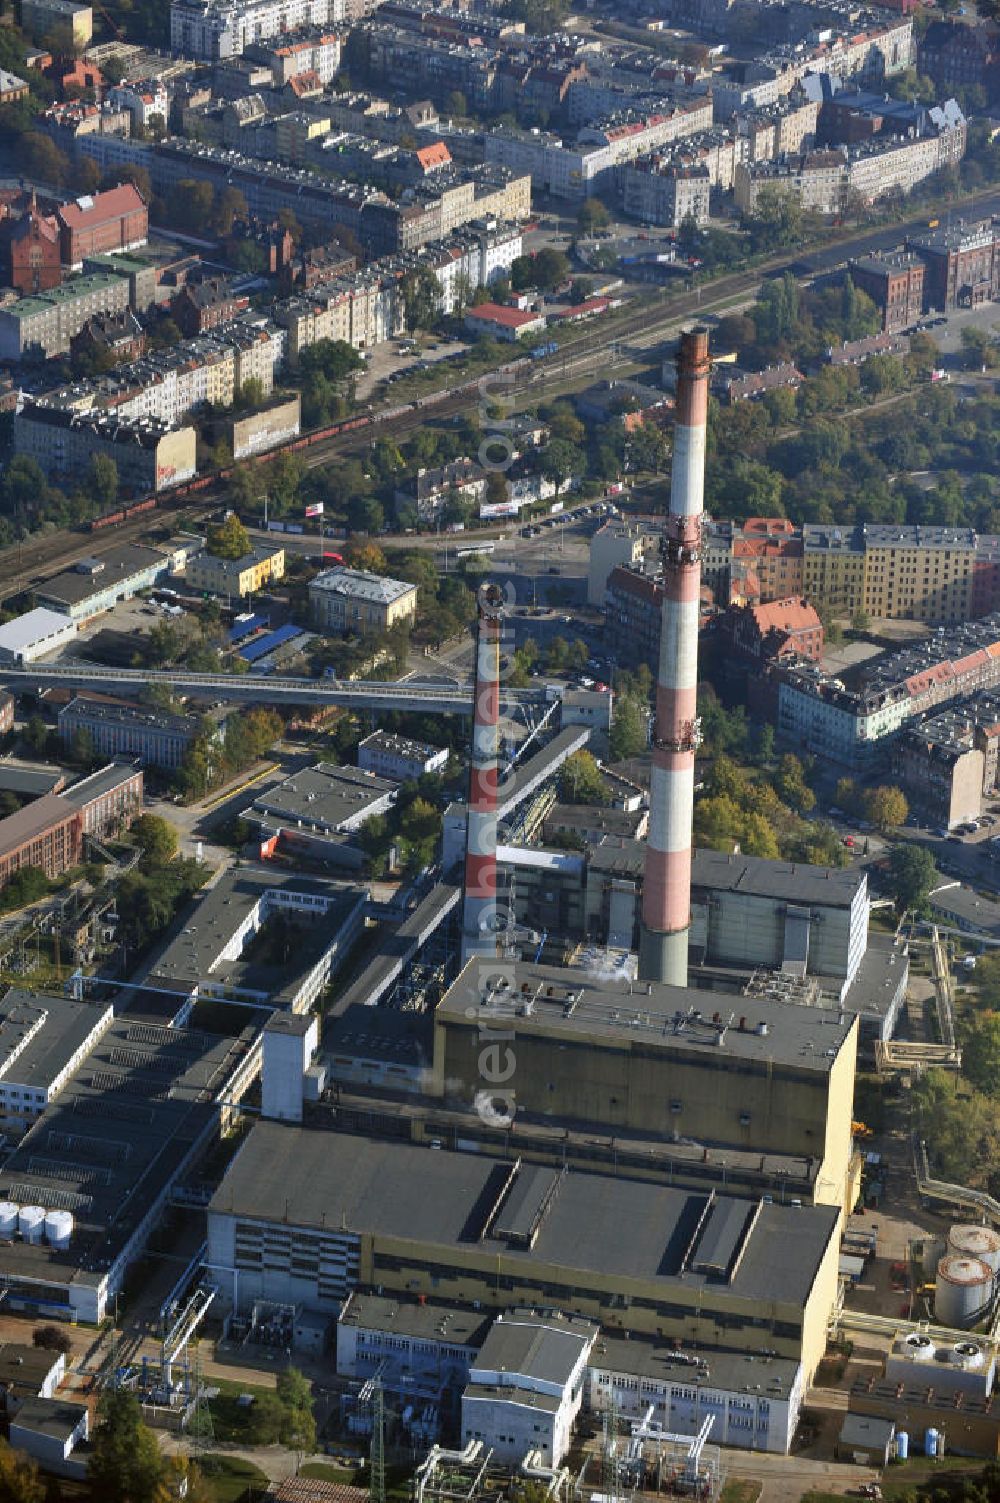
(885,807)
(580,780)
(230,539)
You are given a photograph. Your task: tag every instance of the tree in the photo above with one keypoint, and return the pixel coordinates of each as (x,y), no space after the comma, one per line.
(125,1462)
(51,1339)
(765,745)
(776,220)
(421,298)
(592,216)
(230,539)
(886,807)
(102,479)
(580,780)
(981,1053)
(792,786)
(19,1478)
(457,104)
(912,875)
(155,838)
(36,734)
(628,729)
(39,157)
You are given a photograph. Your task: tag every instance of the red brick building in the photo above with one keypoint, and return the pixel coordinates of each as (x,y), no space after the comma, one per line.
(200,306)
(895,284)
(961,265)
(108,798)
(117,220)
(758,634)
(30,258)
(47,833)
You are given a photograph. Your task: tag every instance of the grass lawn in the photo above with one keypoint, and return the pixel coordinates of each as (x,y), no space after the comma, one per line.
(740,1490)
(921,1470)
(822,1498)
(325,1471)
(229,1478)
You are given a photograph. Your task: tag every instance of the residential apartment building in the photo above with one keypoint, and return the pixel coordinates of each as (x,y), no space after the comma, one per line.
(239,576)
(958,55)
(855,728)
(666,195)
(816,178)
(870,53)
(213,30)
(42,325)
(314,49)
(150,455)
(762,634)
(588,164)
(633,617)
(158,739)
(351,600)
(146,102)
(62,22)
(620,543)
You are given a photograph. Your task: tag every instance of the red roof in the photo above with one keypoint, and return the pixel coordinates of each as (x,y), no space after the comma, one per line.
(785,615)
(437,155)
(508,318)
(84,213)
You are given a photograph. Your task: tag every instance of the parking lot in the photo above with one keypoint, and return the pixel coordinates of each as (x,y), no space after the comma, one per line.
(398,356)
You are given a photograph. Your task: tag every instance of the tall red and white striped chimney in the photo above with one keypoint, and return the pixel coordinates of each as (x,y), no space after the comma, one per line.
(666,896)
(480,921)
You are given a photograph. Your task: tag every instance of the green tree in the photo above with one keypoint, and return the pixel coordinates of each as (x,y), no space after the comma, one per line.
(421,298)
(628,729)
(102,479)
(912,874)
(36,734)
(981,1053)
(230,539)
(125,1464)
(886,807)
(155,838)
(458,104)
(580,780)
(592,216)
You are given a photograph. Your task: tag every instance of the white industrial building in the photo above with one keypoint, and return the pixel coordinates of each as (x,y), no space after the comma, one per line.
(526,1386)
(42,1041)
(399,758)
(34,634)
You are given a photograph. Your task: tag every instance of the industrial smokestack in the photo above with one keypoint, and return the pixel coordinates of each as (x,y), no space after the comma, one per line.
(480,925)
(666,896)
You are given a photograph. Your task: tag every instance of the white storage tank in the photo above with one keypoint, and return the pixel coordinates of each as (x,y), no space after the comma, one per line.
(31,1223)
(8,1218)
(963,1290)
(59,1228)
(982,1242)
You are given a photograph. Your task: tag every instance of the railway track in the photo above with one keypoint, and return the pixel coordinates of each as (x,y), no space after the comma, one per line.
(26,564)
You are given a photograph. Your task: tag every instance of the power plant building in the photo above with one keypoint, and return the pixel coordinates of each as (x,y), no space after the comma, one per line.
(304,1216)
(653,1060)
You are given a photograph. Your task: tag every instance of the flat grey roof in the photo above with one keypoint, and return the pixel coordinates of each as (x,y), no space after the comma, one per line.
(120,564)
(966,907)
(588,817)
(596,1225)
(704,1369)
(512,1393)
(108,1145)
(194,954)
(325,795)
(788,881)
(401,746)
(83,707)
(535,1346)
(445,1323)
(866,1430)
(57,1418)
(55,1029)
(33,781)
(25,1366)
(681,1020)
